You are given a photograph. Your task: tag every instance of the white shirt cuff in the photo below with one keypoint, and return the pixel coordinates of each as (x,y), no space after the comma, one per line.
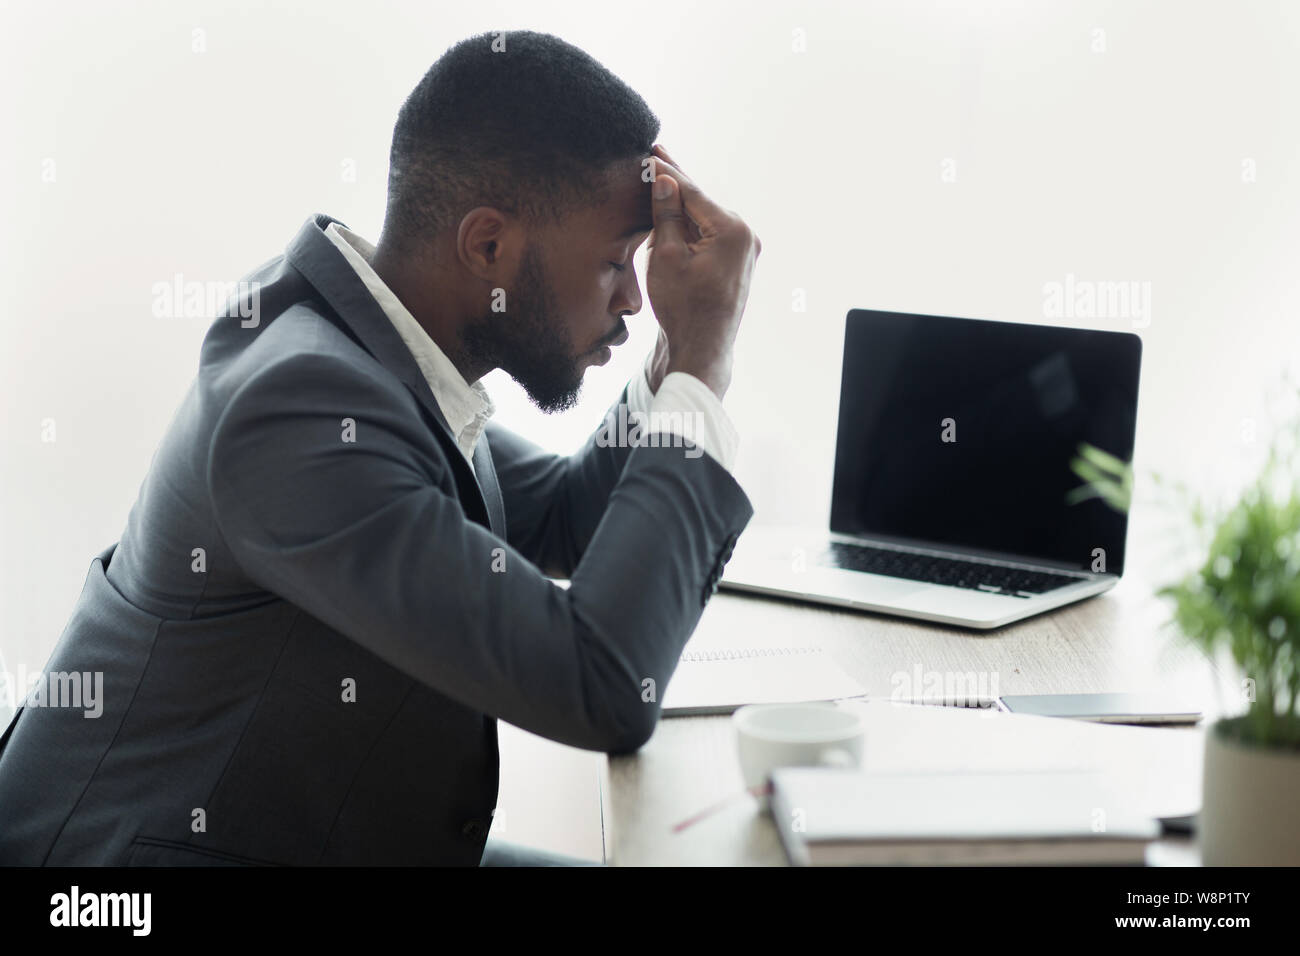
(686,406)
(639,395)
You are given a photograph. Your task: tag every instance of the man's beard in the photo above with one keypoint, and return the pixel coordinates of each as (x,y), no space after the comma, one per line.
(528,340)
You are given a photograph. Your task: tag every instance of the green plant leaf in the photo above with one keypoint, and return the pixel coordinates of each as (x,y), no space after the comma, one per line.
(1103,459)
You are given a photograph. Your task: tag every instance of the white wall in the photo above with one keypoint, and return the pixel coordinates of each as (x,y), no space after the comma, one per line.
(1123,164)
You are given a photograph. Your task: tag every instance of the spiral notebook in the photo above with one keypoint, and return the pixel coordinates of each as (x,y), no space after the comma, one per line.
(719,680)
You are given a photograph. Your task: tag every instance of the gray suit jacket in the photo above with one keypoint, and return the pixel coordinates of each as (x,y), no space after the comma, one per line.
(306,642)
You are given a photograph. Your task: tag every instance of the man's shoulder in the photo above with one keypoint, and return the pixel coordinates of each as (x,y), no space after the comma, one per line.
(302,344)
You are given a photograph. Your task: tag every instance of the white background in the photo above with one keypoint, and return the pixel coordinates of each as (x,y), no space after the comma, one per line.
(1122,163)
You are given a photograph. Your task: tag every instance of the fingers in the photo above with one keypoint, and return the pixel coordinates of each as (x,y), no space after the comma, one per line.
(661,153)
(702,210)
(669,216)
(664,155)
(703,215)
(661,165)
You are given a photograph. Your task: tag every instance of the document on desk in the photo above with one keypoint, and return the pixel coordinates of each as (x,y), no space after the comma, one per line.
(842,818)
(720,680)
(1156,768)
(1126,777)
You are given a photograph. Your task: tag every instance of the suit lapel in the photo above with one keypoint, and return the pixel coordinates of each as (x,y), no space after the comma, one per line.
(312,254)
(491,488)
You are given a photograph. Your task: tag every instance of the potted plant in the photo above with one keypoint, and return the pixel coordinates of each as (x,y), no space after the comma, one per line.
(1243,598)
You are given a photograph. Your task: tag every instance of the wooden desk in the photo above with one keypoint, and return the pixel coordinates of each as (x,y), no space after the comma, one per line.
(1113,642)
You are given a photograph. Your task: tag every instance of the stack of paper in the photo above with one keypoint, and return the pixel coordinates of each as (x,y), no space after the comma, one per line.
(836,817)
(718,681)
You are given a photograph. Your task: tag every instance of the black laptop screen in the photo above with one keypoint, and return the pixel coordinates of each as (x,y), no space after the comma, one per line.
(961,432)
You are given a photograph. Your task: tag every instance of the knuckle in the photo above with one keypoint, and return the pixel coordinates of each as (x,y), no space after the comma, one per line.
(734,227)
(669,252)
(745,236)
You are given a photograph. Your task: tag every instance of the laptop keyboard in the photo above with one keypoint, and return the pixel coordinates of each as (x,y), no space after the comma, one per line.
(996,579)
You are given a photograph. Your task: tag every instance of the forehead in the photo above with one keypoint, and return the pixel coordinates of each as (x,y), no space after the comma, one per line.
(624,209)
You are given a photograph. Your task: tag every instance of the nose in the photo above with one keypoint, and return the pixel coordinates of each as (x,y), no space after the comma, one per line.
(627,300)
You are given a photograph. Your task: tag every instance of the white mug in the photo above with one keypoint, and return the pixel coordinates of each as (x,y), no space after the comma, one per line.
(796,735)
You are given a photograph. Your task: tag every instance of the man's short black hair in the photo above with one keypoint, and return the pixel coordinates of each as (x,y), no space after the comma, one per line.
(521,121)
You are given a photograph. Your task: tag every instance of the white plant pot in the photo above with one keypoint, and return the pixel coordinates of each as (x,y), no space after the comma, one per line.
(1250,809)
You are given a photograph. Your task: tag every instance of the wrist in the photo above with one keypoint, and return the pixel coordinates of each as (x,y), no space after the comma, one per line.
(654,372)
(716,375)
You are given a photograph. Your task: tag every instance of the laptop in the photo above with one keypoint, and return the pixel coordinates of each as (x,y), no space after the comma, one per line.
(952,473)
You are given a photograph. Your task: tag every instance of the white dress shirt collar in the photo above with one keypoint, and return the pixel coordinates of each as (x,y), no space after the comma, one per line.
(466,407)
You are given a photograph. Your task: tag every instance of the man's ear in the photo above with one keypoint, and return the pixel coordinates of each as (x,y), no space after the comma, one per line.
(489,244)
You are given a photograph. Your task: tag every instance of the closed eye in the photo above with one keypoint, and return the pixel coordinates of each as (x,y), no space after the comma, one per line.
(617,267)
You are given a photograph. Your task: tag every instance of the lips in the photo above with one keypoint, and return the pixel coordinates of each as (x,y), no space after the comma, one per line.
(603,353)
(623,336)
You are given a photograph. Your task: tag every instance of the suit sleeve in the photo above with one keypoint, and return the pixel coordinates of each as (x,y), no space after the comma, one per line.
(361,535)
(553,503)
